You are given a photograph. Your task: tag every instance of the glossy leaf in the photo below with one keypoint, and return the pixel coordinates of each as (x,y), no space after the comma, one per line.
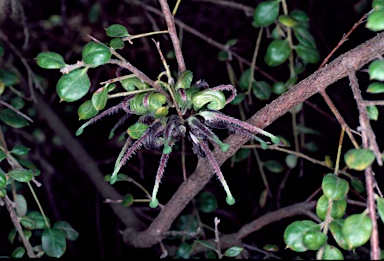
(38,219)
(359,159)
(273,166)
(95,54)
(304,37)
(261,90)
(132,83)
(378,4)
(307,54)
(50,60)
(86,110)
(74,85)
(233,251)
(279,88)
(215,100)
(299,15)
(291,161)
(27,222)
(21,175)
(241,155)
(278,52)
(53,242)
(70,233)
(338,207)
(333,187)
(336,229)
(376,70)
(244,79)
(373,112)
(238,99)
(294,233)
(314,240)
(137,130)
(206,202)
(376,87)
(20,150)
(287,20)
(127,200)
(18,252)
(357,230)
(3,179)
(116,30)
(99,98)
(12,119)
(21,205)
(117,43)
(375,21)
(332,253)
(265,13)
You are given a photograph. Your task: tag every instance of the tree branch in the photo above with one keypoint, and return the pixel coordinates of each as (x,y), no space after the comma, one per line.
(313,84)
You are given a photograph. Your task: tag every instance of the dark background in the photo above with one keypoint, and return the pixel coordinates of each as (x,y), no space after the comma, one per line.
(67,194)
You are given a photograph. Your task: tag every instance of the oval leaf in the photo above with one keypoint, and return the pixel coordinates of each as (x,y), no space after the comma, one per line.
(375,21)
(265,13)
(338,207)
(357,230)
(53,242)
(50,60)
(206,202)
(334,188)
(96,54)
(277,53)
(137,130)
(376,87)
(314,240)
(376,70)
(294,233)
(359,159)
(332,253)
(307,54)
(13,119)
(117,30)
(70,233)
(86,110)
(3,179)
(273,166)
(233,251)
(99,98)
(335,227)
(73,86)
(21,175)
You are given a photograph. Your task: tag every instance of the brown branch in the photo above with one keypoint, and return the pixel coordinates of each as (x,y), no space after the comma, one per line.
(173,34)
(369,141)
(313,84)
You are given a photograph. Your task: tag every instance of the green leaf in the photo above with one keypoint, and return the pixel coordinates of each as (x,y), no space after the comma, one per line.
(265,13)
(137,130)
(50,60)
(8,78)
(373,112)
(18,252)
(74,85)
(336,226)
(261,90)
(233,251)
(357,185)
(20,150)
(273,166)
(294,233)
(38,219)
(304,37)
(184,81)
(21,175)
(332,253)
(99,98)
(70,233)
(238,99)
(291,161)
(206,202)
(314,240)
(127,200)
(279,88)
(376,70)
(86,110)
(2,155)
(27,222)
(132,83)
(29,165)
(3,179)
(333,187)
(359,159)
(338,207)
(380,207)
(277,53)
(376,87)
(184,251)
(307,54)
(241,155)
(244,79)
(299,15)
(117,43)
(95,54)
(21,205)
(116,30)
(287,20)
(375,21)
(223,56)
(53,242)
(357,230)
(13,119)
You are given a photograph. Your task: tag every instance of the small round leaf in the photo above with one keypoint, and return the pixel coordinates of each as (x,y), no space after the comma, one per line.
(376,87)
(294,233)
(64,226)
(99,98)
(206,202)
(53,242)
(265,13)
(50,60)
(357,230)
(336,226)
(117,43)
(117,30)
(359,159)
(278,52)
(233,251)
(333,187)
(307,54)
(95,54)
(314,240)
(332,253)
(74,85)
(376,70)
(375,21)
(86,110)
(137,130)
(338,207)
(21,175)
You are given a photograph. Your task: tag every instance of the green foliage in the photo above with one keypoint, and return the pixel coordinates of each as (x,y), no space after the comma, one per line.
(266,13)
(359,159)
(74,85)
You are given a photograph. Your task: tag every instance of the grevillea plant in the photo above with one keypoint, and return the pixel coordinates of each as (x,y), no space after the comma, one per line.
(166,110)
